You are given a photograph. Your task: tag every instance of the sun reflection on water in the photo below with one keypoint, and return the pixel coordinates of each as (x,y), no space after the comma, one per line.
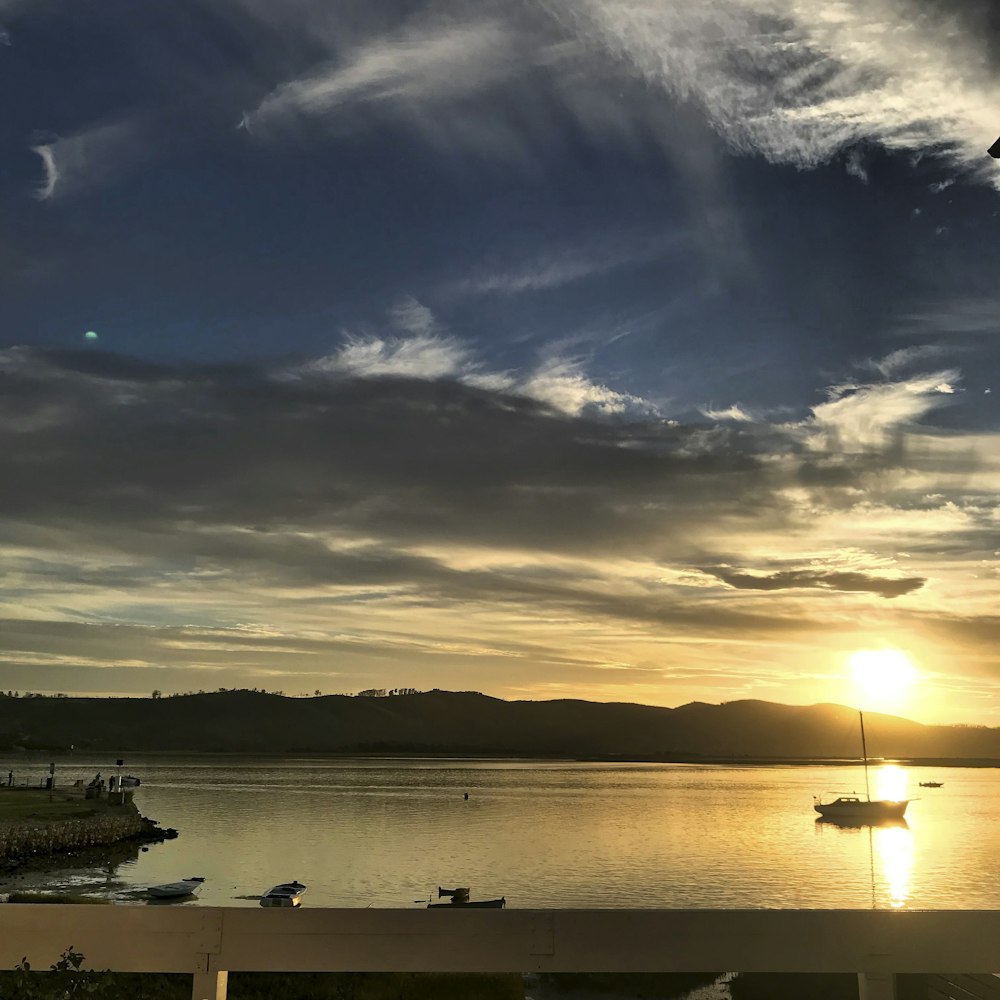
(890,783)
(894,845)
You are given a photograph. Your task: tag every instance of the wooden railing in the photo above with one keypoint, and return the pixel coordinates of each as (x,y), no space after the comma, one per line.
(209,942)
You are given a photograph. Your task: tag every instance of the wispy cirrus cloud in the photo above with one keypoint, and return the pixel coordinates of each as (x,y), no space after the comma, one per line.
(896,362)
(564,386)
(969,316)
(424,356)
(556,266)
(420,347)
(800,82)
(733,412)
(428,63)
(86,159)
(859,416)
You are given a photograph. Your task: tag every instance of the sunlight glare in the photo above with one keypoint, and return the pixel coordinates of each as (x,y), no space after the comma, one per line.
(883,676)
(890,783)
(895,850)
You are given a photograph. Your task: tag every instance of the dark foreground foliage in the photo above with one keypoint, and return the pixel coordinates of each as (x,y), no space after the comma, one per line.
(649,985)
(67,979)
(794,986)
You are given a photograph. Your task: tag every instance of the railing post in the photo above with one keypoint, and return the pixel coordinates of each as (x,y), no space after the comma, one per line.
(210,986)
(876,986)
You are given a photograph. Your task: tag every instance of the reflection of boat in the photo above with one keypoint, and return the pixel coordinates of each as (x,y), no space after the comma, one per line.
(172,890)
(931,784)
(863,822)
(855,808)
(460,898)
(285,894)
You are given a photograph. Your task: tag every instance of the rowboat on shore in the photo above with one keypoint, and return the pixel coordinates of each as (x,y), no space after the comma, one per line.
(284,894)
(473,904)
(459,899)
(174,890)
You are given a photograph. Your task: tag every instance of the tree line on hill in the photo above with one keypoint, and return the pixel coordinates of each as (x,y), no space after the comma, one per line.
(245,721)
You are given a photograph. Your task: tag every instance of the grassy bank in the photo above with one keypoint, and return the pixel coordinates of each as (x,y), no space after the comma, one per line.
(34,806)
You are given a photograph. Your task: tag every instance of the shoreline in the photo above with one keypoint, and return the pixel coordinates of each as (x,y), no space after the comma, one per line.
(37,828)
(434,753)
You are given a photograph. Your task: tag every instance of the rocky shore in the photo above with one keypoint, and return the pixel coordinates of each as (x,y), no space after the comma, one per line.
(36,832)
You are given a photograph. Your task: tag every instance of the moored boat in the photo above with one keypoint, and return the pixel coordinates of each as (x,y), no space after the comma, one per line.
(284,894)
(172,890)
(856,809)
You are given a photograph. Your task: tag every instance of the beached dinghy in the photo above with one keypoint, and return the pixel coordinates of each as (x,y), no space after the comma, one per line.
(285,894)
(172,890)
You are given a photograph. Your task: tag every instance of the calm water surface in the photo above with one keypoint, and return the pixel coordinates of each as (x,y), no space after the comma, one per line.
(385,832)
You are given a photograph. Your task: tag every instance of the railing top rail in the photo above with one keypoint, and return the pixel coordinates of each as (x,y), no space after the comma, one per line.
(144,938)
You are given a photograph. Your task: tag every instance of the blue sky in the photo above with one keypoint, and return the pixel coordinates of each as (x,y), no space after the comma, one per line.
(636,351)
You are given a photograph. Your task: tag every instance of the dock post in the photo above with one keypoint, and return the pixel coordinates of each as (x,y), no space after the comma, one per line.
(210,986)
(876,986)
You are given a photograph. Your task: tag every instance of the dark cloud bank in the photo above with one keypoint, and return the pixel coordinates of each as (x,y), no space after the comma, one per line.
(126,475)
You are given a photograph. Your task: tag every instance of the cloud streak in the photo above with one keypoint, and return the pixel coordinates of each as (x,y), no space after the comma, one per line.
(427,64)
(799,83)
(784,79)
(86,159)
(807,579)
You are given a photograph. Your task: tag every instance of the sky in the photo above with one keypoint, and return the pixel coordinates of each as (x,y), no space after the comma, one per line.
(627,350)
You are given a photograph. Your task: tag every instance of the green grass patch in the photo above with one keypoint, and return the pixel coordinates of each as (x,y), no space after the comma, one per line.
(18,807)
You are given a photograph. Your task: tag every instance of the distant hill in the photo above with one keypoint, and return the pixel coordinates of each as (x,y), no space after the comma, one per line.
(465,722)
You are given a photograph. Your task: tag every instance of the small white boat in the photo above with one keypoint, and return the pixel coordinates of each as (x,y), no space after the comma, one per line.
(172,890)
(285,894)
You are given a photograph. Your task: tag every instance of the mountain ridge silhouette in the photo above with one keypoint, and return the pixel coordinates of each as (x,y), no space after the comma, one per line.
(469,722)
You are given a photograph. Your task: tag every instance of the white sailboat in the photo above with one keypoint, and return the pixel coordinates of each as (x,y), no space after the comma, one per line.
(853,807)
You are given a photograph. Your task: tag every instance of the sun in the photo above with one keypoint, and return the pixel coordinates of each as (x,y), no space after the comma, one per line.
(883,676)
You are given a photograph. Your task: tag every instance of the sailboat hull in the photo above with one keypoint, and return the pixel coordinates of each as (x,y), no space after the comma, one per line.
(876,809)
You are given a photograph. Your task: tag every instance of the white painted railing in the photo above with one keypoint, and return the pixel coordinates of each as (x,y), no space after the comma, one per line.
(210,942)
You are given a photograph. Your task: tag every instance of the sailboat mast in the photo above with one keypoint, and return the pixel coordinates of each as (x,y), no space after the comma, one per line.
(864,751)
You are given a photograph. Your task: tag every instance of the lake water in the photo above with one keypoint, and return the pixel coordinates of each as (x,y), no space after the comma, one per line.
(386,832)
